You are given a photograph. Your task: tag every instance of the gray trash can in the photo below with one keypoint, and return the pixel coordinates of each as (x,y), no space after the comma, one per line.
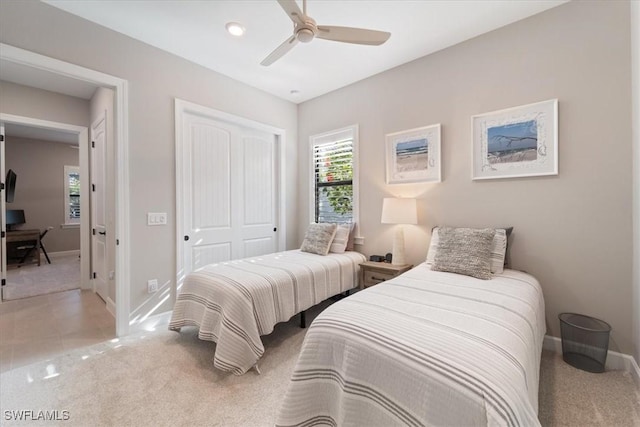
(585,341)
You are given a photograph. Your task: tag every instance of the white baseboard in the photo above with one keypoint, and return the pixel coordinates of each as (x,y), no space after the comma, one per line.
(59,254)
(615,361)
(111,307)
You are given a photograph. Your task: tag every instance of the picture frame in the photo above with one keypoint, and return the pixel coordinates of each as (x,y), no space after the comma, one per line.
(413,155)
(516,142)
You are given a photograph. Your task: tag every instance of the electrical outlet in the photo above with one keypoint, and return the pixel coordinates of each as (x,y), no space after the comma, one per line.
(152,286)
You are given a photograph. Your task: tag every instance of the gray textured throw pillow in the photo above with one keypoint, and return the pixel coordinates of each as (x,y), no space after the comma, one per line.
(465,251)
(498,251)
(318,238)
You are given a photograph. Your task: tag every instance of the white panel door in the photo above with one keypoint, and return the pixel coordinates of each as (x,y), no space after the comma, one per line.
(98,207)
(3,252)
(257,223)
(229,191)
(207,209)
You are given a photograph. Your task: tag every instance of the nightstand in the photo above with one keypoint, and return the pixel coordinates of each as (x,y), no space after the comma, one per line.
(372,273)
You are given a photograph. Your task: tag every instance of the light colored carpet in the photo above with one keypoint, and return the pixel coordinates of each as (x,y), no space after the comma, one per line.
(163,378)
(30,280)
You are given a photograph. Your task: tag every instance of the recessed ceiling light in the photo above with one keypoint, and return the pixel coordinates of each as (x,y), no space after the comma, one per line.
(294,92)
(235,29)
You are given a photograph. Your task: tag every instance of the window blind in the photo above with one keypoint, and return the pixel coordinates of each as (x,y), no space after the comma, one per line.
(333,165)
(74,195)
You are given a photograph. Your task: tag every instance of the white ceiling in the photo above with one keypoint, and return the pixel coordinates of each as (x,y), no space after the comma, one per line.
(195,31)
(39,134)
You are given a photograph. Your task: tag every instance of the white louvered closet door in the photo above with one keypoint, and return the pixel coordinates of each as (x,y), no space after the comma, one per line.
(229,178)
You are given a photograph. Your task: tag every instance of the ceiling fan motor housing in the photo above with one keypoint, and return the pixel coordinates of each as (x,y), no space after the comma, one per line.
(305,33)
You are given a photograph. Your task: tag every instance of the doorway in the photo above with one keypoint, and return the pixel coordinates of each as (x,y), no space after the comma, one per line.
(45,252)
(53,71)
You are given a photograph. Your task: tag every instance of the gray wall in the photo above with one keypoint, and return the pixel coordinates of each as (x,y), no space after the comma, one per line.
(155,79)
(40,180)
(41,104)
(39,167)
(572,231)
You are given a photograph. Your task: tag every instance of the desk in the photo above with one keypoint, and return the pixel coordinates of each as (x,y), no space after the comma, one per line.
(28,237)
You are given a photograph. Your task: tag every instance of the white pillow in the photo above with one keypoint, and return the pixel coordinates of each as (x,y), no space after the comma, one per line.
(318,238)
(498,250)
(340,240)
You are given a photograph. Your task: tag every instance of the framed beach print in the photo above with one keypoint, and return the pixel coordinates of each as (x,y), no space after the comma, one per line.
(516,142)
(413,155)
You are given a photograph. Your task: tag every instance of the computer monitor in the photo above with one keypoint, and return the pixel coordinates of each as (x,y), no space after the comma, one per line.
(14,217)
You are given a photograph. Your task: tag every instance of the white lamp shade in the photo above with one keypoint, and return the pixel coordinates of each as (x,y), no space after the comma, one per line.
(399,211)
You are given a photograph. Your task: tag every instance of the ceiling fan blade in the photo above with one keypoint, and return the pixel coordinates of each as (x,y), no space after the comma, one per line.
(352,35)
(293,10)
(280,51)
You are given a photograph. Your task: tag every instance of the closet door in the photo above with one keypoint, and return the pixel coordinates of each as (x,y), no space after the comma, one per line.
(257,175)
(229,191)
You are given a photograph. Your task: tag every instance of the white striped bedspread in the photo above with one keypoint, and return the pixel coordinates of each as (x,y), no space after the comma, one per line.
(425,348)
(235,302)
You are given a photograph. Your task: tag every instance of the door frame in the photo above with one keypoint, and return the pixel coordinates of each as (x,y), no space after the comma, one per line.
(82,135)
(183,107)
(121,139)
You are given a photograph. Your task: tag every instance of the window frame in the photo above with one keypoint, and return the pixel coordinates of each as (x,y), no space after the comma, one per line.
(348,132)
(68,221)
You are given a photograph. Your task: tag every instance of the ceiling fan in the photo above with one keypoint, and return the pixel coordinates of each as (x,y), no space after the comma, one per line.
(305,30)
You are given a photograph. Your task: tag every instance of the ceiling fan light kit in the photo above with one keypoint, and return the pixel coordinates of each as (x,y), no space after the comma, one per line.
(305,30)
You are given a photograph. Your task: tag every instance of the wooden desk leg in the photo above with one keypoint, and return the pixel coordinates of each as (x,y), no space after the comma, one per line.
(38,250)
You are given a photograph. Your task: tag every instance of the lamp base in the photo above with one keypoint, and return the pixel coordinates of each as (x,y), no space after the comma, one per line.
(398,247)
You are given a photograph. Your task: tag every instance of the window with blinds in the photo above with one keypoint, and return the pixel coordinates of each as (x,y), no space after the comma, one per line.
(72,194)
(333,164)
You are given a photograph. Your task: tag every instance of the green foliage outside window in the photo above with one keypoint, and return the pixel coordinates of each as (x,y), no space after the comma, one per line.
(339,170)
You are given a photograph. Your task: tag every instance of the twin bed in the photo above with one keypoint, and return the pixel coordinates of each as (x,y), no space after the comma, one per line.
(425,348)
(233,303)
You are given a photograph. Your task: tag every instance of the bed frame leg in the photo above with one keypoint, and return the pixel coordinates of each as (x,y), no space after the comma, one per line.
(303,319)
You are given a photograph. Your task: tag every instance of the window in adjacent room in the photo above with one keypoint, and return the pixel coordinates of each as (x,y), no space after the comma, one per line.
(72,195)
(334,196)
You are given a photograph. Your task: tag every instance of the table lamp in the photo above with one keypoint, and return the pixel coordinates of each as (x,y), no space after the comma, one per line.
(399,211)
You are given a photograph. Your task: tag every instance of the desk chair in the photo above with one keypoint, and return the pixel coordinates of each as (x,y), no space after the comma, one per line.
(30,249)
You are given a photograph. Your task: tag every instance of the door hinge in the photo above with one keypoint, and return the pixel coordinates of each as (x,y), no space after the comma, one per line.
(1,185)
(93,187)
(2,234)
(117,241)
(93,231)
(93,144)
(95,275)
(1,138)
(275,229)
(4,282)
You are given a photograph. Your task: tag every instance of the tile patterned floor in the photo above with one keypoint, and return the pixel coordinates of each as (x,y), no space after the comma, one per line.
(39,328)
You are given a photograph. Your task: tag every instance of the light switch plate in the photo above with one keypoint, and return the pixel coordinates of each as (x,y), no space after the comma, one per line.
(157,218)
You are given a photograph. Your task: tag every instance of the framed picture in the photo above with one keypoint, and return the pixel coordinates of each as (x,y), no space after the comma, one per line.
(516,142)
(413,155)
